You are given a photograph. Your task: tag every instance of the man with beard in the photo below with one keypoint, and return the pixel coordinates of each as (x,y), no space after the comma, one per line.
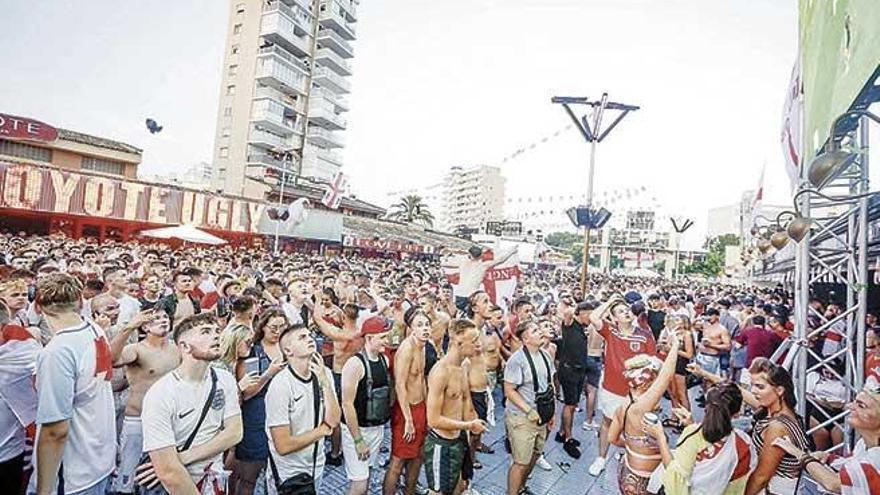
(145,362)
(191,415)
(409,421)
(451,413)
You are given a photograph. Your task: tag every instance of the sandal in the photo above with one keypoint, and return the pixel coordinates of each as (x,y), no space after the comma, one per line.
(477,464)
(485,449)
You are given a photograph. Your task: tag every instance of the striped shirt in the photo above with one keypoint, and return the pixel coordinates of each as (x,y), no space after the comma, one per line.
(790,466)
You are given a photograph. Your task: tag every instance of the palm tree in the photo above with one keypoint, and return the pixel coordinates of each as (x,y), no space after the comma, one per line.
(410,209)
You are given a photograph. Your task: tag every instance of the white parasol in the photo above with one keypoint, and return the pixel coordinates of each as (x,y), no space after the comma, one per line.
(186,233)
(643,272)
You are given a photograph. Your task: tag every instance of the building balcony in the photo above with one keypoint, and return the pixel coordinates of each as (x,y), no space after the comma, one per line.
(328,58)
(303,4)
(287,101)
(338,102)
(279,54)
(325,138)
(279,28)
(326,77)
(323,115)
(330,156)
(268,161)
(330,39)
(271,141)
(274,120)
(334,16)
(282,77)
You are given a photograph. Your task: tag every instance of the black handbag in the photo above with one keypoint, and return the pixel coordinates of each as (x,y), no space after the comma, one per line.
(545,402)
(379,398)
(145,457)
(301,483)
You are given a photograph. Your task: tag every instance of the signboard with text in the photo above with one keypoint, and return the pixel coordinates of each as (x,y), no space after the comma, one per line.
(13,127)
(386,245)
(52,190)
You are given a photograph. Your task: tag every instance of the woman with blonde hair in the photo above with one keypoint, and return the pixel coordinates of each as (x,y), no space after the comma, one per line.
(678,390)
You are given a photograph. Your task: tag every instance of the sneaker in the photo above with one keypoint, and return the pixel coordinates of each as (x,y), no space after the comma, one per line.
(420,490)
(589,426)
(543,464)
(561,439)
(597,466)
(571,449)
(526,491)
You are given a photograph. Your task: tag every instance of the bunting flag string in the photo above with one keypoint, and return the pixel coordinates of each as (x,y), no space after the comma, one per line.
(531,146)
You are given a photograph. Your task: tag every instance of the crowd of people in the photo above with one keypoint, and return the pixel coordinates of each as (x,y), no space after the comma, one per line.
(146,368)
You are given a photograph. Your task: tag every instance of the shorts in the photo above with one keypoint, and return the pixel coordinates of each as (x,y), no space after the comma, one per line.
(594,371)
(130,453)
(356,469)
(337,382)
(400,448)
(526,438)
(480,400)
(608,402)
(444,460)
(571,379)
(710,363)
(681,366)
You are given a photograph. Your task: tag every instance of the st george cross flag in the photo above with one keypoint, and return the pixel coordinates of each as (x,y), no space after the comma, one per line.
(334,192)
(792,123)
(499,282)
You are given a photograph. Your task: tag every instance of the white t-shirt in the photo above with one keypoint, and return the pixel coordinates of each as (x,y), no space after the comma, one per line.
(290,402)
(73,385)
(172,407)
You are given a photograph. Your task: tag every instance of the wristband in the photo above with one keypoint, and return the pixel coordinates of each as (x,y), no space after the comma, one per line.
(359,440)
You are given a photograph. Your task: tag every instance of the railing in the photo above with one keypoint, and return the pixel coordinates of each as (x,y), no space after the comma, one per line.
(320,132)
(333,77)
(325,111)
(333,35)
(333,56)
(286,56)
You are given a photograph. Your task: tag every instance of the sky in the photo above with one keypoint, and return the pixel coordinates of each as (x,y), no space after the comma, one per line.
(443,83)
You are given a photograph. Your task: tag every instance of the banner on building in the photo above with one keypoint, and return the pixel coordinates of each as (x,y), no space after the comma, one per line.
(792,126)
(47,189)
(379,244)
(839,51)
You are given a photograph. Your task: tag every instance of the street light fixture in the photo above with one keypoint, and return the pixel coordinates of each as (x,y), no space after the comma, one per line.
(832,163)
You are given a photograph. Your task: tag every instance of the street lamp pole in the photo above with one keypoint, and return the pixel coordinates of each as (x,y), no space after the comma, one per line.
(680,227)
(594,134)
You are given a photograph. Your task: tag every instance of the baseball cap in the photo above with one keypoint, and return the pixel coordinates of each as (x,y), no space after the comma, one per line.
(375,325)
(632,296)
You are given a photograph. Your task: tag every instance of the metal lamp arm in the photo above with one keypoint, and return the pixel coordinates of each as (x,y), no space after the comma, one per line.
(830,198)
(832,143)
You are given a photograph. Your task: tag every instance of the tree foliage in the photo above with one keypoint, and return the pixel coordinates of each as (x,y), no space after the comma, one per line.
(411,209)
(713,264)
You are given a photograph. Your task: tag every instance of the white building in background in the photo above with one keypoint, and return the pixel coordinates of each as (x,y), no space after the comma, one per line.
(198,176)
(471,197)
(736,218)
(285,74)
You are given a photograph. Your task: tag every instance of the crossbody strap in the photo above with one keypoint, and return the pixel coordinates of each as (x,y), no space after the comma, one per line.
(319,399)
(192,436)
(532,368)
(369,375)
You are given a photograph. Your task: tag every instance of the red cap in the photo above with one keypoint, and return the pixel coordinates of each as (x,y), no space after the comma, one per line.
(375,325)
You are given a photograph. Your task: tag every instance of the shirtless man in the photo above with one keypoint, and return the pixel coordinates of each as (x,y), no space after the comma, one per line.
(481,397)
(409,420)
(145,362)
(715,343)
(451,412)
(436,346)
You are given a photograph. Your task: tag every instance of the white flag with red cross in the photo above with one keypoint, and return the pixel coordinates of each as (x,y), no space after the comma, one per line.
(499,282)
(334,192)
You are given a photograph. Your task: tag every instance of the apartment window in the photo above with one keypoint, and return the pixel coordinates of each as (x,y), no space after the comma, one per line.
(224,152)
(26,151)
(105,166)
(239,9)
(225,132)
(236,29)
(230,90)
(234,49)
(233,70)
(227,112)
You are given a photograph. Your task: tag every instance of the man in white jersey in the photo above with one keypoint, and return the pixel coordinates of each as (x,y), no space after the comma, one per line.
(296,433)
(76,433)
(471,271)
(191,415)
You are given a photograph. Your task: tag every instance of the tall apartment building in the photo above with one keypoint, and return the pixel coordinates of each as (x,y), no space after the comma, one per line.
(285,73)
(736,218)
(472,197)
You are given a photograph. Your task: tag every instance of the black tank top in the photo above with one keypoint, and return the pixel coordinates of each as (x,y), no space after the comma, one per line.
(379,371)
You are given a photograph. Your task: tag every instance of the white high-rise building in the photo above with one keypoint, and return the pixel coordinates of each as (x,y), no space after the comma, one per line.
(736,218)
(285,72)
(472,197)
